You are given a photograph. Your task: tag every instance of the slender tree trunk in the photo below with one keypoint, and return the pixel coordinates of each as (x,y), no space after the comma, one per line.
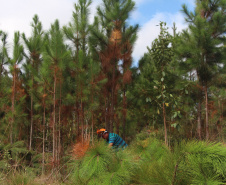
(43,137)
(199,127)
(54,117)
(164,112)
(117,122)
(92,128)
(222,135)
(164,118)
(76,61)
(78,118)
(13,104)
(82,121)
(106,113)
(31,130)
(112,99)
(207,111)
(59,127)
(111,111)
(124,114)
(92,111)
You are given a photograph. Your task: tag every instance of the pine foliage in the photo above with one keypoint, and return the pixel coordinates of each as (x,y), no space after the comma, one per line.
(192,162)
(102,165)
(149,161)
(203,162)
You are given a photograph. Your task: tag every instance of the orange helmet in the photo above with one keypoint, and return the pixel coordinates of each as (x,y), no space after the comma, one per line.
(102,130)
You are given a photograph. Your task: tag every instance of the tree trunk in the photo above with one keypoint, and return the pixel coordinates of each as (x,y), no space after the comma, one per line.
(111,111)
(82,117)
(54,117)
(164,111)
(199,127)
(124,115)
(107,113)
(222,122)
(112,99)
(78,116)
(43,137)
(164,118)
(13,104)
(92,111)
(207,117)
(31,130)
(59,127)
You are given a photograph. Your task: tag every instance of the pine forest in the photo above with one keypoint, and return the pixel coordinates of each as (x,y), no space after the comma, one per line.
(59,86)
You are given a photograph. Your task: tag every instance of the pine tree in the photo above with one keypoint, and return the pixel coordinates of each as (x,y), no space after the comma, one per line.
(3,52)
(16,86)
(56,57)
(112,40)
(3,76)
(34,46)
(200,45)
(77,32)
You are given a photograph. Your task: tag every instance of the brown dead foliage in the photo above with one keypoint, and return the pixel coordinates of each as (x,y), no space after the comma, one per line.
(116,36)
(80,149)
(127,77)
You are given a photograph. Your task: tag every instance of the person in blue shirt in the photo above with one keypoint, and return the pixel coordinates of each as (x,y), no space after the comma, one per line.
(114,140)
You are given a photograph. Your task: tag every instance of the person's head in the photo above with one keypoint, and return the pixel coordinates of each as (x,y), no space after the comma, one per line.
(103,133)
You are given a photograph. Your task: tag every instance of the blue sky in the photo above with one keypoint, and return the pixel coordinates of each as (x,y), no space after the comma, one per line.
(148,8)
(16,15)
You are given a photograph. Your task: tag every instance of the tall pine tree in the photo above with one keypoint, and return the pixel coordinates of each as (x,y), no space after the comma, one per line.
(201,44)
(56,57)
(34,46)
(112,40)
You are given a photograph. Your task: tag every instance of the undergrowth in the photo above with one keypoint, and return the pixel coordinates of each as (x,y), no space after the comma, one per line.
(145,161)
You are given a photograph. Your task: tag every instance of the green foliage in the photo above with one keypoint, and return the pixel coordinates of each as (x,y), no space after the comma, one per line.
(26,178)
(102,165)
(146,161)
(155,162)
(190,162)
(13,152)
(202,162)
(149,161)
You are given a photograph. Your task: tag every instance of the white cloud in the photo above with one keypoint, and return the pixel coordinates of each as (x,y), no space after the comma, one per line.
(136,15)
(149,31)
(17,15)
